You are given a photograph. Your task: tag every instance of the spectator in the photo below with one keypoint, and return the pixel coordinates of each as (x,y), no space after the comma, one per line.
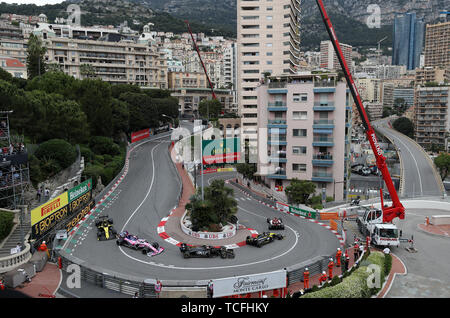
(11,149)
(18,247)
(38,194)
(46,194)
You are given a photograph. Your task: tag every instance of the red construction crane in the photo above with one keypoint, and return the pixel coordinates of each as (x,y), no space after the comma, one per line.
(201,61)
(397,209)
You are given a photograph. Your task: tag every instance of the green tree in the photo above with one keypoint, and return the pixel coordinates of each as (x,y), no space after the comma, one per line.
(298,191)
(35,57)
(442,162)
(210,108)
(405,126)
(400,106)
(217,207)
(87,71)
(248,170)
(143,112)
(95,99)
(59,150)
(54,82)
(222,201)
(120,116)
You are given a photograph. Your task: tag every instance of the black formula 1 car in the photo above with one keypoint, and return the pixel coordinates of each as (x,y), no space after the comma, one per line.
(105,229)
(263,239)
(205,251)
(275,224)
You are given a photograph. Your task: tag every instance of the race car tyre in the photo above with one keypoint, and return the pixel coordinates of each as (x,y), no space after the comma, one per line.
(186,255)
(268,220)
(110,221)
(155,245)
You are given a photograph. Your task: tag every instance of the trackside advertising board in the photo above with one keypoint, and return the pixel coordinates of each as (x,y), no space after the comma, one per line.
(48,208)
(139,135)
(304,213)
(50,214)
(249,283)
(221,151)
(80,190)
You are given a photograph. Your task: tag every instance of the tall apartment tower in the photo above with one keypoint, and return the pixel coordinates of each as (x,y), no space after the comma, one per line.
(304,132)
(268,41)
(328,57)
(408,40)
(437,45)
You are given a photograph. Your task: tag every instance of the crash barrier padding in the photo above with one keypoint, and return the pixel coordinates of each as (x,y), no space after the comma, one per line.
(18,276)
(333,225)
(39,259)
(328,216)
(440,219)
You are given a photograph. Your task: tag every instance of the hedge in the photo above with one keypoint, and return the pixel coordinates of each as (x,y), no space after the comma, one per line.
(59,150)
(354,285)
(6,223)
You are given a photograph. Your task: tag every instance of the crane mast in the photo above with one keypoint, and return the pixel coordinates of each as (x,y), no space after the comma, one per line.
(211,86)
(396,209)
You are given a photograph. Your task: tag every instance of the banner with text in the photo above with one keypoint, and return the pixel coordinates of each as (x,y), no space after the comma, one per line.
(80,190)
(48,208)
(221,151)
(304,213)
(42,227)
(249,283)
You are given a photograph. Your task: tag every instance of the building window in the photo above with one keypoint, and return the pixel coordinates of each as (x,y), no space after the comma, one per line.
(299,167)
(299,150)
(302,97)
(300,115)
(299,132)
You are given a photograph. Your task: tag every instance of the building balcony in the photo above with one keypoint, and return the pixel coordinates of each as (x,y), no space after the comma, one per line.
(322,177)
(322,160)
(323,124)
(324,106)
(278,175)
(323,142)
(277,107)
(277,88)
(327,90)
(276,123)
(277,160)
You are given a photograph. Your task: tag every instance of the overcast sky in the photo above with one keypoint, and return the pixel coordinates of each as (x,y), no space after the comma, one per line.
(37,2)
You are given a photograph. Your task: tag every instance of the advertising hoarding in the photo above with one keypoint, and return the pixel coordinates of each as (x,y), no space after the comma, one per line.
(48,208)
(249,283)
(221,151)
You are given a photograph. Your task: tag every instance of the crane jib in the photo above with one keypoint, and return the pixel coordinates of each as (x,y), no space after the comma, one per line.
(397,209)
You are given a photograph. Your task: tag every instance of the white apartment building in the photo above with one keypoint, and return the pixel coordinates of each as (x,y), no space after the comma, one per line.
(268,42)
(113,58)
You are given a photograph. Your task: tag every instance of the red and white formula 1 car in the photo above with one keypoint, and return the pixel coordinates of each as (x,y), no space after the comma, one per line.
(132,241)
(275,224)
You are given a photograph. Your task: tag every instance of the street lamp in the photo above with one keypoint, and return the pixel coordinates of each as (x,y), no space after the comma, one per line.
(173,120)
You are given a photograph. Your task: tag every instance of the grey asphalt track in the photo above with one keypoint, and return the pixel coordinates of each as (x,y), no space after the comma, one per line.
(148,193)
(419,177)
